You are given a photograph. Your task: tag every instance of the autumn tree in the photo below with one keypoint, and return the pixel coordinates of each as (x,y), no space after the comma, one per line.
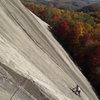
(62,29)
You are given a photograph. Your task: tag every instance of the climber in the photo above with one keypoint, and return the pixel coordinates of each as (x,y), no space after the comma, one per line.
(77,90)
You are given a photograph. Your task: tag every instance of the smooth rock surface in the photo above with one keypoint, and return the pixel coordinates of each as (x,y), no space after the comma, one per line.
(33,65)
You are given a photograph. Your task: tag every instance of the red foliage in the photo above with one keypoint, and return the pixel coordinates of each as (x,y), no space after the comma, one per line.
(54,17)
(95,57)
(62,29)
(85,40)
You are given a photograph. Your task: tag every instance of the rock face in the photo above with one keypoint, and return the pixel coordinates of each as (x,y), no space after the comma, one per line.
(33,66)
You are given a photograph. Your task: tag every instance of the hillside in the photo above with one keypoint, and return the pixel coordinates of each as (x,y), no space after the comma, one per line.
(33,66)
(63,4)
(91,8)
